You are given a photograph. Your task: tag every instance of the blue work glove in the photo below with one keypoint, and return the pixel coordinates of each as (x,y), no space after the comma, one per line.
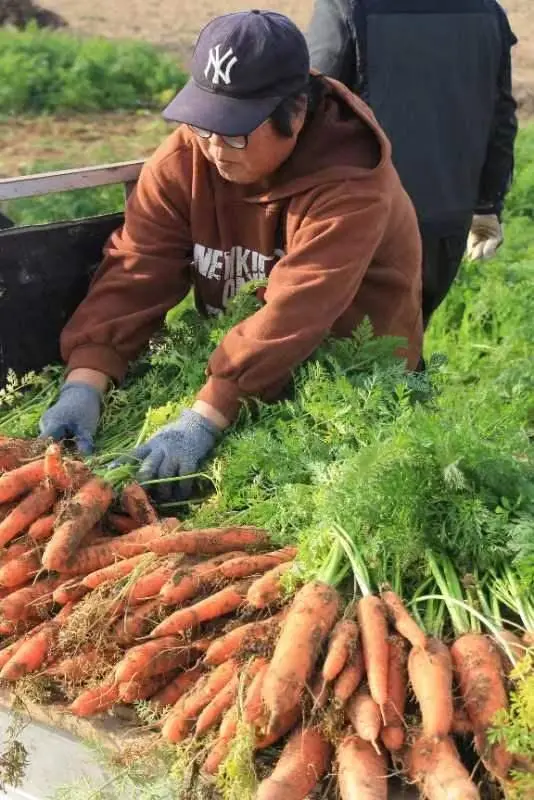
(175,450)
(75,414)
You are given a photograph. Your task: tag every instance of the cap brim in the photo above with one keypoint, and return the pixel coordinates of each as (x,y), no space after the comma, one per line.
(217,112)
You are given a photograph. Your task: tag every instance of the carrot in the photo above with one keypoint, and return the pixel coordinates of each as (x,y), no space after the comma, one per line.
(267,590)
(374,632)
(222,701)
(112,573)
(392,734)
(402,620)
(38,502)
(216,605)
(135,502)
(55,469)
(137,621)
(303,762)
(253,705)
(361,771)
(177,724)
(20,570)
(221,747)
(84,511)
(319,691)
(148,586)
(246,565)
(42,528)
(135,690)
(92,701)
(185,584)
(34,651)
(364,715)
(436,768)
(461,724)
(121,523)
(285,723)
(309,621)
(153,658)
(210,541)
(21,480)
(177,688)
(89,559)
(430,671)
(69,591)
(478,666)
(342,642)
(8,652)
(230,643)
(14,452)
(75,668)
(349,678)
(32,600)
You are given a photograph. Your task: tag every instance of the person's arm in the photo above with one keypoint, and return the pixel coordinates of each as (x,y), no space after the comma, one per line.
(498,168)
(331,41)
(145,272)
(331,243)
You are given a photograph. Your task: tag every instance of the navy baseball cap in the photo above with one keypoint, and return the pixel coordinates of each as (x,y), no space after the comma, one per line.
(244,65)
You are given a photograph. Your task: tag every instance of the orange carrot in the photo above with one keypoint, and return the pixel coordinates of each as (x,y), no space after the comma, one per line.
(364,715)
(112,573)
(135,690)
(34,651)
(69,591)
(303,762)
(230,643)
(178,723)
(32,600)
(267,590)
(478,666)
(55,469)
(121,523)
(42,528)
(93,701)
(435,766)
(349,678)
(84,511)
(430,671)
(374,632)
(210,541)
(20,570)
(75,668)
(309,621)
(285,723)
(21,480)
(212,607)
(8,652)
(135,503)
(177,688)
(253,705)
(393,732)
(137,621)
(223,743)
(362,772)
(17,549)
(186,583)
(342,642)
(153,658)
(402,620)
(246,565)
(148,586)
(14,452)
(89,559)
(222,701)
(38,502)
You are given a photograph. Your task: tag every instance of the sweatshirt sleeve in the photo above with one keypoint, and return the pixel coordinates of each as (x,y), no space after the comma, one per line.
(330,245)
(144,273)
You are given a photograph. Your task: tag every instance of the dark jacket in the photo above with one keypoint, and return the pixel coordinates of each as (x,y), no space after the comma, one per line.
(437,74)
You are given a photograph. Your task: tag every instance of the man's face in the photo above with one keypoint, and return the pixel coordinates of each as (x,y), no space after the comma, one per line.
(265,151)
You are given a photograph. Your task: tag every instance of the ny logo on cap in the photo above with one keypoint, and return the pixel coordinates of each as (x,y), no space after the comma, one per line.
(221,65)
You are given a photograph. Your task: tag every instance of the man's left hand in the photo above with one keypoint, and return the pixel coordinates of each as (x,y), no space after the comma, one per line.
(485,237)
(175,450)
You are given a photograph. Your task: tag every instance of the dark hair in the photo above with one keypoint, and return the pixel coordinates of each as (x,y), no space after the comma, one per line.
(283,114)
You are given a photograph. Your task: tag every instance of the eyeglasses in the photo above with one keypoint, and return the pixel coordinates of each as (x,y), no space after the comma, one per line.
(236,142)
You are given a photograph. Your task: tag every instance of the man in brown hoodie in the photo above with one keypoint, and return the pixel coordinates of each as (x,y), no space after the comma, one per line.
(274,174)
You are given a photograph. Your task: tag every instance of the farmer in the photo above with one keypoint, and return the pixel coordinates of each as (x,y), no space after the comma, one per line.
(437,74)
(274,174)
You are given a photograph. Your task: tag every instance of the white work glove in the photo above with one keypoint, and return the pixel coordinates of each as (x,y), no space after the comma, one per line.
(485,237)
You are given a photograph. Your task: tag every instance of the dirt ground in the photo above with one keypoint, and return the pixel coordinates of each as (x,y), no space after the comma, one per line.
(174,24)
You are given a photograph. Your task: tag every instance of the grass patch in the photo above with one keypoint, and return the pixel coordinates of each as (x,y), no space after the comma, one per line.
(51,71)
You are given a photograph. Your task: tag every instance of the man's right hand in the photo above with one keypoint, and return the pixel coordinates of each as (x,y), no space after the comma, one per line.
(75,414)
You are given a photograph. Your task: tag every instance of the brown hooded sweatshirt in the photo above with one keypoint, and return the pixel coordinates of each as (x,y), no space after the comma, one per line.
(335,235)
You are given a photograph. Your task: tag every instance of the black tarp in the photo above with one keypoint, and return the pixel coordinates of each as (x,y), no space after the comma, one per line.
(44,274)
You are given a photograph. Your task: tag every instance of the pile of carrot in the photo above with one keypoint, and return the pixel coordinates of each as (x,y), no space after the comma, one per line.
(198,623)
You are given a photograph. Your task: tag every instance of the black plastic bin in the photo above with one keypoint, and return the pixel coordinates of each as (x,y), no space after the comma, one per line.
(44,274)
